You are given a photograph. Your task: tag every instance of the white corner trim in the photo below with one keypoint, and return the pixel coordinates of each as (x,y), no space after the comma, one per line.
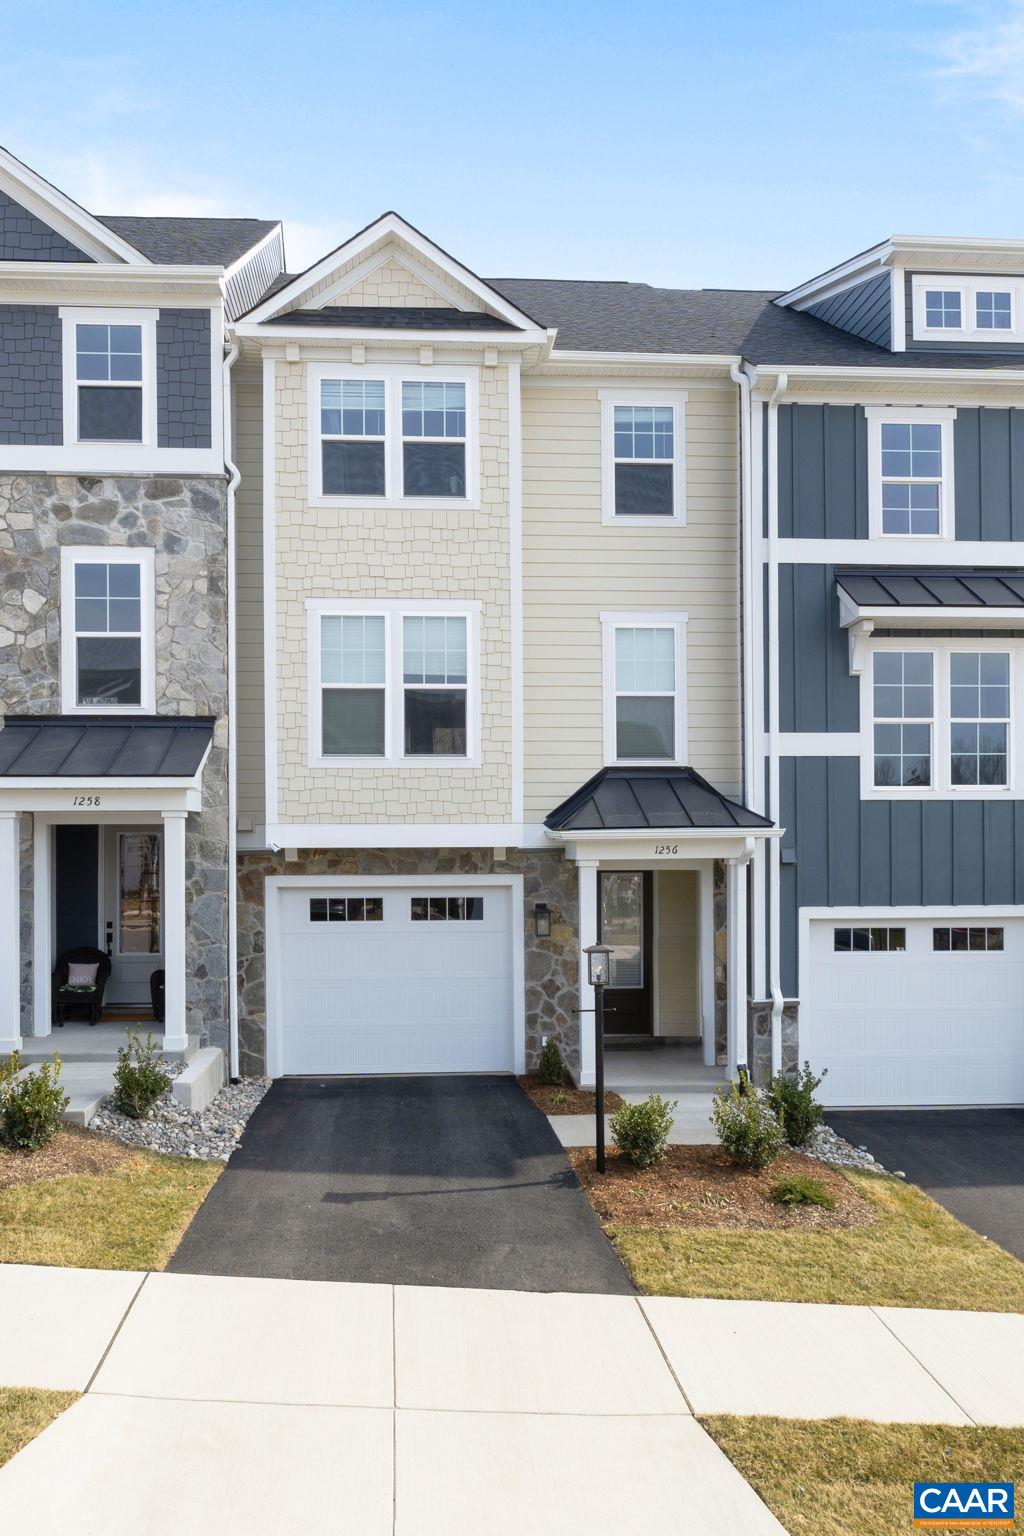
(898,309)
(515,580)
(144,556)
(270,585)
(632,395)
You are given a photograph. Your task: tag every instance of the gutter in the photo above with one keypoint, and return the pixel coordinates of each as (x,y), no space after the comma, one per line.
(234,478)
(774,848)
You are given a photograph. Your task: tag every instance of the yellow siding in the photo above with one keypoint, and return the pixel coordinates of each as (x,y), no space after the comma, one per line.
(248,445)
(677,907)
(391,284)
(575,567)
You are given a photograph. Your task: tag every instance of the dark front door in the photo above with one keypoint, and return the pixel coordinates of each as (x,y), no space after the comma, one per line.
(626,927)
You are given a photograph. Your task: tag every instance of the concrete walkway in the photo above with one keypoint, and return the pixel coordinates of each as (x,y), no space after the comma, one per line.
(217,1404)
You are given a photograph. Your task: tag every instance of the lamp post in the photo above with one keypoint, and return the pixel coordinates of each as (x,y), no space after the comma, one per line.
(599,960)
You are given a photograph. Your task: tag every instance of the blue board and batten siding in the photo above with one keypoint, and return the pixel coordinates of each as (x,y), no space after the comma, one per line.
(816,691)
(863,310)
(823,472)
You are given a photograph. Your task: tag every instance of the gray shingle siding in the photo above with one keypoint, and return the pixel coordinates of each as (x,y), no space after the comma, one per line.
(823,482)
(183,379)
(879,853)
(864,310)
(23,237)
(816,691)
(31,398)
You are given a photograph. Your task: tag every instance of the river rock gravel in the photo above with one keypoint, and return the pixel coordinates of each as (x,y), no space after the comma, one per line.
(213,1134)
(826,1147)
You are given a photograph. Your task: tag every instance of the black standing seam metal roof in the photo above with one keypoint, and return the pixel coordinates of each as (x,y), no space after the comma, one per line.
(933,589)
(620,799)
(104,746)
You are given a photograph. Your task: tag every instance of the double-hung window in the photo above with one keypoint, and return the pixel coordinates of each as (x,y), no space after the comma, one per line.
(107,632)
(109,376)
(979,710)
(644,685)
(393,433)
(393,682)
(903,714)
(910,458)
(643,470)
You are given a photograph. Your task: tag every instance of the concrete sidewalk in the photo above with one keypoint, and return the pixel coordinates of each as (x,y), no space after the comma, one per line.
(242,1405)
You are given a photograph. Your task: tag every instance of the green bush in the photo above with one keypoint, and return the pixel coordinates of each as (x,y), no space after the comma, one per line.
(801,1189)
(747,1126)
(793,1101)
(550,1066)
(31,1110)
(140,1079)
(642,1130)
(10,1066)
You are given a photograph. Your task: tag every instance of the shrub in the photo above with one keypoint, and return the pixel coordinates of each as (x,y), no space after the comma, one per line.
(550,1066)
(9,1069)
(140,1079)
(793,1101)
(31,1110)
(642,1130)
(802,1189)
(747,1126)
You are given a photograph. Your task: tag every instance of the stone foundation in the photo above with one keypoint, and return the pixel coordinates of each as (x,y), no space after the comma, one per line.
(759,1040)
(552,965)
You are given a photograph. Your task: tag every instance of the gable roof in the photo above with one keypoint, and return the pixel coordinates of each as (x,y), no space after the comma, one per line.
(198,242)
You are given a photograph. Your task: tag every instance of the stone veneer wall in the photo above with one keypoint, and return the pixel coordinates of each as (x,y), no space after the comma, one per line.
(759,1040)
(552,965)
(185,522)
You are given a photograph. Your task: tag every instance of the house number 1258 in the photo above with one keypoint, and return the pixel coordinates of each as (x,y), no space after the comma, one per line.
(86,800)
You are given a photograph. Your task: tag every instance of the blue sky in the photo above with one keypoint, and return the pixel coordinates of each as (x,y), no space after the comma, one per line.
(731,144)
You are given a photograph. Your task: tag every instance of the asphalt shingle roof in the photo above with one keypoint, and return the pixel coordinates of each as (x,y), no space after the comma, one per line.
(398,319)
(199,242)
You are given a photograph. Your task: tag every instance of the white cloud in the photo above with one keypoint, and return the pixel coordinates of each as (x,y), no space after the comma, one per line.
(987,59)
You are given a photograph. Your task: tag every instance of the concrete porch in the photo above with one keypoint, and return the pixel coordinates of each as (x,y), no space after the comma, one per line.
(676,1072)
(88,1056)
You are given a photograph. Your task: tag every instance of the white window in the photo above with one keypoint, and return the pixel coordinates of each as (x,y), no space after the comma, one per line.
(393,681)
(109,363)
(643,458)
(939,720)
(395,435)
(967,940)
(644,688)
(860,941)
(107,631)
(980,309)
(910,473)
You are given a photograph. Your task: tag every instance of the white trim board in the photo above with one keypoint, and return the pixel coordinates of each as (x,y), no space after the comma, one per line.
(430,834)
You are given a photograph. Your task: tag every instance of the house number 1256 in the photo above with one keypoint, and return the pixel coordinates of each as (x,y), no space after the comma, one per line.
(86,800)
(666,848)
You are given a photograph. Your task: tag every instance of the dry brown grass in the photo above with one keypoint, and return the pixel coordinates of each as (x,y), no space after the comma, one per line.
(24,1413)
(71,1151)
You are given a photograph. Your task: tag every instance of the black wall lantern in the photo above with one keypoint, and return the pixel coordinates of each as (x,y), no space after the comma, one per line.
(542,919)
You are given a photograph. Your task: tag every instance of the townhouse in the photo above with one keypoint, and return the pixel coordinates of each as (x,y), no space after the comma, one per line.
(384,635)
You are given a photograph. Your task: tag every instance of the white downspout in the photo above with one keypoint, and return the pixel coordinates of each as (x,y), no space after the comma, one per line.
(774,848)
(234,477)
(742,379)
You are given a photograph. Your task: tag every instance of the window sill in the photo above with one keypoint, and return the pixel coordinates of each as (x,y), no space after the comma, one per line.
(399,764)
(398,503)
(625,520)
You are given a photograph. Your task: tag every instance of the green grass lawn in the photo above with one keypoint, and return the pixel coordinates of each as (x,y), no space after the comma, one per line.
(24,1412)
(129,1215)
(847,1477)
(914,1255)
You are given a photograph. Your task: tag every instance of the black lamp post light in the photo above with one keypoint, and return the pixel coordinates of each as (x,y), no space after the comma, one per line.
(599,966)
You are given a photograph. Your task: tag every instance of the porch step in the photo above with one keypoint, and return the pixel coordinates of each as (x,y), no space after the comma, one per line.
(201,1080)
(82,1107)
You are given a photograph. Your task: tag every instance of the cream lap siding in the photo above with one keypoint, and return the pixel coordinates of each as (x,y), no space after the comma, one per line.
(377,552)
(248,455)
(575,567)
(675,948)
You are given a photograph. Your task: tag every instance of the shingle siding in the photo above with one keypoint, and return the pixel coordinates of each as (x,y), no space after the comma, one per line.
(23,237)
(183,379)
(31,400)
(864,310)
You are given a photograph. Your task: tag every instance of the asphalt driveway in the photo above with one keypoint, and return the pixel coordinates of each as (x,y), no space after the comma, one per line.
(403,1180)
(970,1160)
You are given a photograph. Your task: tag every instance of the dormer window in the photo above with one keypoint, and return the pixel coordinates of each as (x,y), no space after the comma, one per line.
(993,309)
(943,309)
(978,309)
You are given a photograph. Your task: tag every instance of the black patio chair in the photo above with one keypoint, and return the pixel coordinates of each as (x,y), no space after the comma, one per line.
(67,997)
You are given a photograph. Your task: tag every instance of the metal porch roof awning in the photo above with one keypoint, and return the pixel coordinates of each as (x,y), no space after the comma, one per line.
(652,799)
(902,596)
(103,746)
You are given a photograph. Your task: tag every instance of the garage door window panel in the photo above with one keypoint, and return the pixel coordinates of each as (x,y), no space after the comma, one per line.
(967,940)
(342,909)
(446,909)
(903,716)
(869,940)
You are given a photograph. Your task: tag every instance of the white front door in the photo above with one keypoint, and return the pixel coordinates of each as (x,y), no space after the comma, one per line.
(403,979)
(133,911)
(917,1011)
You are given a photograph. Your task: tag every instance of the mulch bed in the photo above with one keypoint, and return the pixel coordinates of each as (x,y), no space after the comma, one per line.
(71,1151)
(703,1187)
(567,1100)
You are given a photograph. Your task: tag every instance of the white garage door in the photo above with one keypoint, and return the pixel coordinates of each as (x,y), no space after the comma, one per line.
(411,978)
(918,1012)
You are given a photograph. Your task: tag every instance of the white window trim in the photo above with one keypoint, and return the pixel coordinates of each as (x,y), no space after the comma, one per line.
(100,555)
(610,623)
(609,399)
(942,417)
(941,787)
(394,375)
(393,611)
(968,289)
(144,318)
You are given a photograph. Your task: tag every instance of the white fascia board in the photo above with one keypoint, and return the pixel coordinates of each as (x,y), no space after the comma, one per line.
(66,283)
(767,372)
(722,360)
(933,618)
(629,835)
(505,834)
(909,244)
(390,224)
(865,264)
(346,335)
(63,214)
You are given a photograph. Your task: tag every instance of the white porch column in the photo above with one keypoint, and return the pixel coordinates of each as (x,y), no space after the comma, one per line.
(175,1033)
(736,900)
(10,932)
(587,875)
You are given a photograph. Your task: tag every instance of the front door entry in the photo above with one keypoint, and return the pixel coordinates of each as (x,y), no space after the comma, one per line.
(133,912)
(626,924)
